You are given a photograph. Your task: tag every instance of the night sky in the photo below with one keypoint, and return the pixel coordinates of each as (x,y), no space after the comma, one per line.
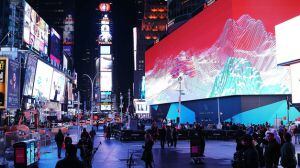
(124,19)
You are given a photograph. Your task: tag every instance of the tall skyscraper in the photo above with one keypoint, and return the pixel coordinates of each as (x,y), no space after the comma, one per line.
(151,26)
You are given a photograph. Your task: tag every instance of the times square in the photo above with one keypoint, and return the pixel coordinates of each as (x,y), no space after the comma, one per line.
(149,83)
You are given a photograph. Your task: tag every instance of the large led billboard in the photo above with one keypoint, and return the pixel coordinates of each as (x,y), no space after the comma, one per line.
(105,63)
(57,86)
(35,30)
(106,96)
(106,81)
(42,82)
(55,47)
(29,75)
(288,40)
(295,74)
(215,53)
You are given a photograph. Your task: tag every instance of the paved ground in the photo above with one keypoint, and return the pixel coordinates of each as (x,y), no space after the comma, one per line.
(113,153)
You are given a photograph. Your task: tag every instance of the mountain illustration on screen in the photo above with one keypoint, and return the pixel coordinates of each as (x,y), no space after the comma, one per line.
(241,61)
(237,77)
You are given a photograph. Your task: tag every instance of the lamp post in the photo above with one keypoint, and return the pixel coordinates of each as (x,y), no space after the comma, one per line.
(92,94)
(121,106)
(179,99)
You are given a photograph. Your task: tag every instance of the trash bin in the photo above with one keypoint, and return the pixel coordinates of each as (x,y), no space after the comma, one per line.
(25,153)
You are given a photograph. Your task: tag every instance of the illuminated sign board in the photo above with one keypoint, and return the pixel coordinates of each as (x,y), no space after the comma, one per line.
(104,7)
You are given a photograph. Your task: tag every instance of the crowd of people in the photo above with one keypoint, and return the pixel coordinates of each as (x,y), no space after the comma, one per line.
(263,146)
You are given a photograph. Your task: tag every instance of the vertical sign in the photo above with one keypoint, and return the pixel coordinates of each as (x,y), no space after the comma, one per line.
(3,66)
(13,84)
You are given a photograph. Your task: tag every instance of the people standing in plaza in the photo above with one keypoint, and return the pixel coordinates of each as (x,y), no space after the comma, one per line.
(288,159)
(68,140)
(272,150)
(92,134)
(59,139)
(250,154)
(174,136)
(297,134)
(108,132)
(162,135)
(169,136)
(86,150)
(71,160)
(154,131)
(147,156)
(85,134)
(97,125)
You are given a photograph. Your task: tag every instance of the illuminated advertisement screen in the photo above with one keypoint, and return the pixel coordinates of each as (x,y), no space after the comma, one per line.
(57,87)
(106,81)
(70,92)
(29,75)
(104,7)
(105,63)
(105,106)
(295,69)
(287,40)
(105,36)
(105,96)
(42,82)
(55,47)
(68,33)
(105,50)
(232,54)
(35,30)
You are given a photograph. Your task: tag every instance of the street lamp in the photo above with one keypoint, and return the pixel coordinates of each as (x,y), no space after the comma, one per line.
(179,99)
(92,93)
(121,106)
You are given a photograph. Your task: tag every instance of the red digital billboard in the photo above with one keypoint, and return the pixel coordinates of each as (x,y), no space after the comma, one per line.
(227,49)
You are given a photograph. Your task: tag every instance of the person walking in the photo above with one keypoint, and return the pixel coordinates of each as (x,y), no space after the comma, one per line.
(71,160)
(59,139)
(287,151)
(162,135)
(147,156)
(68,140)
(169,136)
(92,134)
(86,151)
(174,136)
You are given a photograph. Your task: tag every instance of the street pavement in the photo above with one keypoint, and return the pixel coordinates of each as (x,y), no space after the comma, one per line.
(113,153)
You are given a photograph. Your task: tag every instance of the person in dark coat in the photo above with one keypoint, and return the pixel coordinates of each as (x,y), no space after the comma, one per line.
(92,134)
(162,135)
(86,150)
(147,156)
(272,150)
(250,154)
(59,139)
(68,140)
(169,136)
(201,137)
(257,142)
(174,136)
(71,160)
(84,134)
(288,159)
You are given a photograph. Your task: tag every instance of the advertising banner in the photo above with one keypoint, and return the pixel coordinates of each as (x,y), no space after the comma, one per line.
(105,97)
(57,87)
(13,85)
(105,106)
(35,30)
(106,63)
(3,70)
(43,78)
(106,81)
(55,48)
(29,75)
